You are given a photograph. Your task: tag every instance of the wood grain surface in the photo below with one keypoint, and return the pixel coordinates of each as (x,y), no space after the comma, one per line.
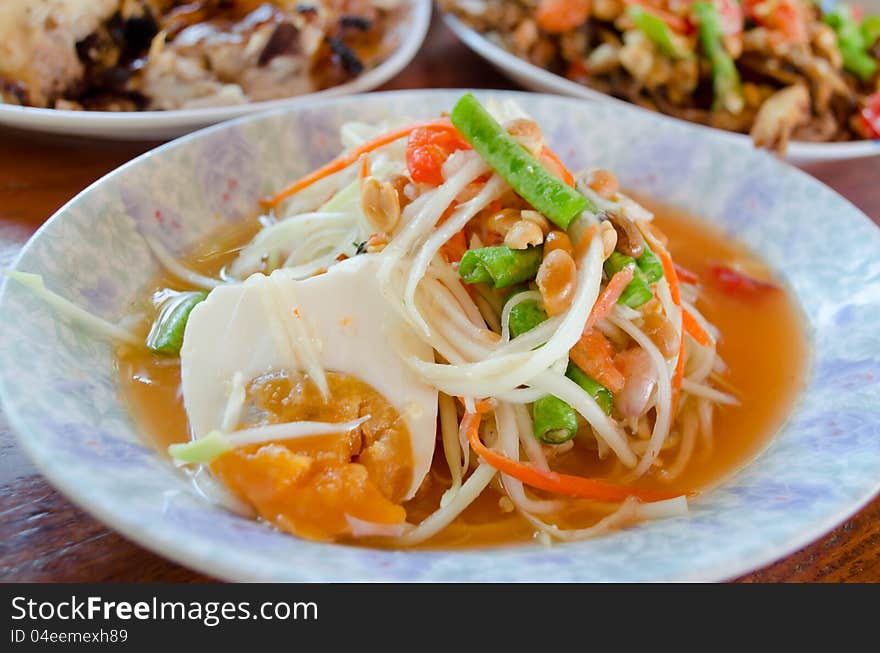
(43,537)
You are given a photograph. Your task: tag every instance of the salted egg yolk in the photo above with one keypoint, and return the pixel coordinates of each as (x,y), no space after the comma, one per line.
(320,487)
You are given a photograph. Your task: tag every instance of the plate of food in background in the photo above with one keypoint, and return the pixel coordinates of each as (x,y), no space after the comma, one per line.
(799,78)
(430,336)
(155,69)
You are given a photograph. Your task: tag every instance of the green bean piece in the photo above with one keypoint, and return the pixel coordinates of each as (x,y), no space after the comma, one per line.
(658,32)
(847,28)
(725,78)
(858,62)
(617,262)
(638,291)
(525,316)
(500,266)
(596,390)
(166,334)
(650,266)
(531,180)
(870,29)
(854,40)
(555,421)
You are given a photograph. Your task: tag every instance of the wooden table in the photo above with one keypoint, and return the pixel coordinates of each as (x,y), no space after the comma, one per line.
(43,537)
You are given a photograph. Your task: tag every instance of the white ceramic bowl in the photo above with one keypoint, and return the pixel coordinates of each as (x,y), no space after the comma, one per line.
(156,125)
(58,387)
(538,79)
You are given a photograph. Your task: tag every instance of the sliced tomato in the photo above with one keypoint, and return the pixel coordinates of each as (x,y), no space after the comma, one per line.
(427,150)
(870,115)
(555,165)
(787,17)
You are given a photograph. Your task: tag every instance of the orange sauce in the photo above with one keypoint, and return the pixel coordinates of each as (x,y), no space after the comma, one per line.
(763,344)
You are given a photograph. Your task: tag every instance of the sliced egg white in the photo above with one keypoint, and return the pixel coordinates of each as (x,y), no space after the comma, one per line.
(339,321)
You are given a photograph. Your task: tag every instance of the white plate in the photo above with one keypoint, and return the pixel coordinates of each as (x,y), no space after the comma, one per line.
(538,79)
(155,125)
(58,383)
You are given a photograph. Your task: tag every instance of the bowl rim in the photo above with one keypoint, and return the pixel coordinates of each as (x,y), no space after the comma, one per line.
(520,69)
(228,569)
(114,124)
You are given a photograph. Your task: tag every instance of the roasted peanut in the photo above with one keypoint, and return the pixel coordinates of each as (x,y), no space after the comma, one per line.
(502,221)
(380,204)
(604,183)
(538,219)
(376,243)
(609,238)
(557,240)
(527,133)
(557,281)
(400,182)
(522,234)
(629,239)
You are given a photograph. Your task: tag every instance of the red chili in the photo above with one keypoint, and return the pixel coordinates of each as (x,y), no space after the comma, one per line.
(685,275)
(734,282)
(427,150)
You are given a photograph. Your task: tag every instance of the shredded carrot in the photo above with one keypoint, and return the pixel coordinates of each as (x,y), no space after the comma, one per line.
(675,291)
(594,354)
(584,243)
(454,248)
(470,191)
(481,405)
(692,327)
(564,484)
(342,162)
(604,305)
(551,156)
(365,166)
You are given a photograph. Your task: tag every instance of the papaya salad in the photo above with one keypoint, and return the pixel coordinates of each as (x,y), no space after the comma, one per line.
(779,70)
(441,318)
